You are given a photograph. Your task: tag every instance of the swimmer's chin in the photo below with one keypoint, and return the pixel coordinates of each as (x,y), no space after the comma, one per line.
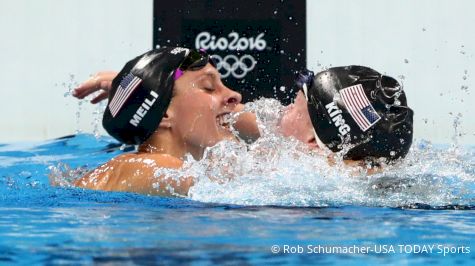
(224,136)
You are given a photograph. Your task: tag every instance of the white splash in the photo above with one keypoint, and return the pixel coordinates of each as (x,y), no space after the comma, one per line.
(280,171)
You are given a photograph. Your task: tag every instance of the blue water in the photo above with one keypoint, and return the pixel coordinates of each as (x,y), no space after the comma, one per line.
(42,224)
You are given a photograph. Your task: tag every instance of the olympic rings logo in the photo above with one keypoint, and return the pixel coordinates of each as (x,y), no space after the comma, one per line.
(232,65)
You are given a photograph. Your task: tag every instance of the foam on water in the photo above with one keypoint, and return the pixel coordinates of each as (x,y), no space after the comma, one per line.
(289,176)
(280,171)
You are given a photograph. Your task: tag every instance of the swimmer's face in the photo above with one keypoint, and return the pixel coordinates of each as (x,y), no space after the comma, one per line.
(200,106)
(296,122)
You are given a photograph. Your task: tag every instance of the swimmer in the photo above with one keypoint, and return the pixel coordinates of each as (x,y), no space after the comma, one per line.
(377,129)
(170,102)
(353,109)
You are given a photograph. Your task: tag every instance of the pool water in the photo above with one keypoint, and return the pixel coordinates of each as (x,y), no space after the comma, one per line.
(284,217)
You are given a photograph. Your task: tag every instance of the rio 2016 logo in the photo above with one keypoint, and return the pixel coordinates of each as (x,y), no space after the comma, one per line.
(232,64)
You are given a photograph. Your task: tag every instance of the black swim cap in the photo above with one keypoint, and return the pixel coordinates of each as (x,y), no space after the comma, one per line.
(142,91)
(357,108)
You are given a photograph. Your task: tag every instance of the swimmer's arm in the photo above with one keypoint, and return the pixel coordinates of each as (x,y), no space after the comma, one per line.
(99,81)
(246,125)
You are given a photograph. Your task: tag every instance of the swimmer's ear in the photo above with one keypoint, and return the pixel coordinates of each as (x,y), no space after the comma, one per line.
(167,120)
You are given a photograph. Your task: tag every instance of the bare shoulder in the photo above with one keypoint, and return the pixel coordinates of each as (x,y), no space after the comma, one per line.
(160,160)
(133,172)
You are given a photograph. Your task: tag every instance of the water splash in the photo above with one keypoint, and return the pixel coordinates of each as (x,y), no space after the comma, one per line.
(97,118)
(69,85)
(282,174)
(281,171)
(98,110)
(63,175)
(457,122)
(78,117)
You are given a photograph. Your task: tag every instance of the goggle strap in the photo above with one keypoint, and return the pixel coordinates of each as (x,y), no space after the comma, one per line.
(178,74)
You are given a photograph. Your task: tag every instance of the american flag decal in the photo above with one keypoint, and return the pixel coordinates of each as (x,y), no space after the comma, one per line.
(126,87)
(359,106)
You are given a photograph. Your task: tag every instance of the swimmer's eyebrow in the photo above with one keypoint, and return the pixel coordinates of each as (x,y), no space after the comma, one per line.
(211,73)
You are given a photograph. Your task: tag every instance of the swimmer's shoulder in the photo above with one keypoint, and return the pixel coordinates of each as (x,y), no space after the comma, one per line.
(130,163)
(133,172)
(148,160)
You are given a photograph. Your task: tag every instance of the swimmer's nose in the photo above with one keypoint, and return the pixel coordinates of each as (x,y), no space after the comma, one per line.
(312,143)
(233,98)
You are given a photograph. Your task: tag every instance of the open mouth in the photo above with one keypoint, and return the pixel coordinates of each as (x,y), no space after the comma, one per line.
(224,121)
